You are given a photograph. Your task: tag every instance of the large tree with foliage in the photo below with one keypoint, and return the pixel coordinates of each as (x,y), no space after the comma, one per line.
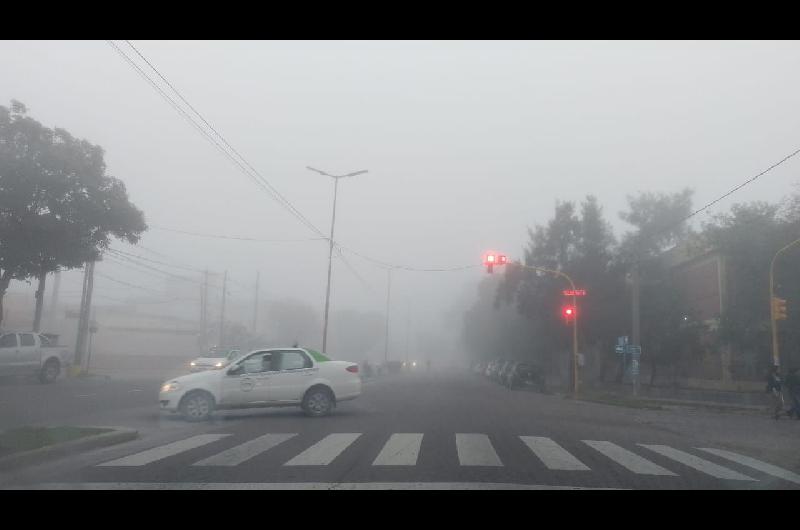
(749,236)
(58,207)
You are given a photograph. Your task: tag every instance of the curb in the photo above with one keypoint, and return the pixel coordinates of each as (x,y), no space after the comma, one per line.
(665,403)
(50,452)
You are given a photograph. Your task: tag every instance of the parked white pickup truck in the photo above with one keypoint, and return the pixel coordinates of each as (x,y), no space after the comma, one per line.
(31,354)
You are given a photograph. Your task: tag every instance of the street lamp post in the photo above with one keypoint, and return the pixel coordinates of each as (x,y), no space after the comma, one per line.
(773,319)
(330,253)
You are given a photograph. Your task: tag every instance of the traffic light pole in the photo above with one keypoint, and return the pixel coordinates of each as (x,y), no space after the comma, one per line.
(574,323)
(773,316)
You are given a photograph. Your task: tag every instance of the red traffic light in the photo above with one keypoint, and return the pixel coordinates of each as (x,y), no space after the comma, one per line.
(491,259)
(568,312)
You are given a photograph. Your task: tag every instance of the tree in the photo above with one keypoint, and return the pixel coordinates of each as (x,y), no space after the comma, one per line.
(58,209)
(657,218)
(581,245)
(749,236)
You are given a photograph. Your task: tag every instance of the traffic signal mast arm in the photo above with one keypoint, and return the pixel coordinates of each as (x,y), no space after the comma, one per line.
(774,302)
(574,320)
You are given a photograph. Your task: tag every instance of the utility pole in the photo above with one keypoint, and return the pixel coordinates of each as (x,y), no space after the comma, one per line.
(53,311)
(388,297)
(255,305)
(204,313)
(83,320)
(222,312)
(92,331)
(636,280)
(330,251)
(408,327)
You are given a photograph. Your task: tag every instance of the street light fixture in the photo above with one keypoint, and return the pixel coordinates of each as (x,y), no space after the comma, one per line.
(330,253)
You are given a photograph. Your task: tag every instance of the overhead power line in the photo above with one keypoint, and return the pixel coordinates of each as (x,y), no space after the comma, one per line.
(244,165)
(740,186)
(253,173)
(239,238)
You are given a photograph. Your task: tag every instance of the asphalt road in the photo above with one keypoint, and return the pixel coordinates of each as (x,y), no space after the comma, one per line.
(427,430)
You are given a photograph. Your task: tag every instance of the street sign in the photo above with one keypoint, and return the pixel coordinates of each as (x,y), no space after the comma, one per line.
(576,292)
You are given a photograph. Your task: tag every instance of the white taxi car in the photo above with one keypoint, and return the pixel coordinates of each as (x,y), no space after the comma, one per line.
(265,378)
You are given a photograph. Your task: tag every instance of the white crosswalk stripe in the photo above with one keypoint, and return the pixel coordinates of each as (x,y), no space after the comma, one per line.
(553,455)
(164,451)
(325,451)
(769,469)
(476,450)
(243,452)
(627,459)
(695,462)
(473,449)
(402,449)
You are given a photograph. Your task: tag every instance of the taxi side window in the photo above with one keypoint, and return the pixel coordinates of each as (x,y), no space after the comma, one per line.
(293,360)
(258,363)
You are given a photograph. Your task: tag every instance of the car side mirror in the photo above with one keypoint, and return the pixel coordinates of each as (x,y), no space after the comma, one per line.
(236,370)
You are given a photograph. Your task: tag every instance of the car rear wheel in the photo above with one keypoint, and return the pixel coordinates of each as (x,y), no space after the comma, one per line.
(197,406)
(318,402)
(50,371)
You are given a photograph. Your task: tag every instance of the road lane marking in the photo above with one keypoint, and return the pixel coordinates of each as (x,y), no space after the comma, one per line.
(476,450)
(769,469)
(704,466)
(553,455)
(325,451)
(300,486)
(402,449)
(627,459)
(243,452)
(164,451)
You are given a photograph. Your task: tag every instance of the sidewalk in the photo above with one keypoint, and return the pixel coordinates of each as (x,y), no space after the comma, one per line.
(662,396)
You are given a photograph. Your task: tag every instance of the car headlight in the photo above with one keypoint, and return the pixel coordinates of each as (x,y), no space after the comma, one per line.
(414,363)
(169,387)
(219,365)
(192,363)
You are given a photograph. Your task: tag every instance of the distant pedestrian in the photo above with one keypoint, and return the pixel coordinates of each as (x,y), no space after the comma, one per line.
(775,387)
(793,389)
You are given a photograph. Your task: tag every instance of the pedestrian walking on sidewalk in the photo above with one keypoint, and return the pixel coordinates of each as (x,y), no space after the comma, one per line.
(774,386)
(793,389)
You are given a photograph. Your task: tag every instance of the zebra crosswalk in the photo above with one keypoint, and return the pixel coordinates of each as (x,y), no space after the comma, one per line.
(471,450)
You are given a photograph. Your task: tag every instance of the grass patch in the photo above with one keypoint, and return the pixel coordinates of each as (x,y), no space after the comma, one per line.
(29,438)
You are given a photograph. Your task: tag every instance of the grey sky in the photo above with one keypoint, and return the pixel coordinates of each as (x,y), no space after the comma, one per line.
(466,143)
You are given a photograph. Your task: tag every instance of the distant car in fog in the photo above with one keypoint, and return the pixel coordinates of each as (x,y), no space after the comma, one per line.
(522,374)
(273,377)
(409,365)
(214,360)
